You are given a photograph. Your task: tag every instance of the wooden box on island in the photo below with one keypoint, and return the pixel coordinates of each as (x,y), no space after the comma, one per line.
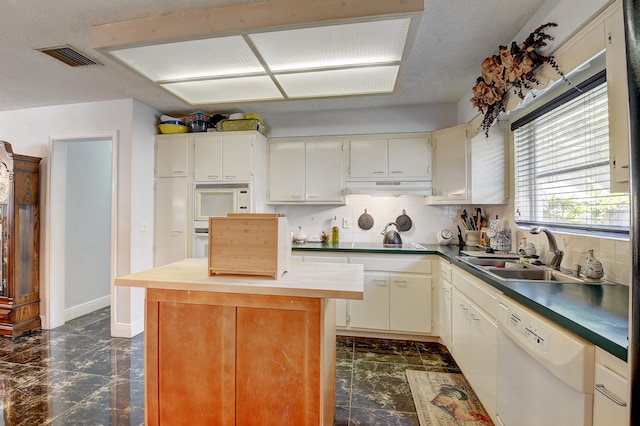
(249,244)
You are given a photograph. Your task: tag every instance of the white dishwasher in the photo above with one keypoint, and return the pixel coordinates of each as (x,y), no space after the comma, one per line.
(545,373)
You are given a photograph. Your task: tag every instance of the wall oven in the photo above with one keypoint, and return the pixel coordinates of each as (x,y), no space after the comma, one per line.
(216,200)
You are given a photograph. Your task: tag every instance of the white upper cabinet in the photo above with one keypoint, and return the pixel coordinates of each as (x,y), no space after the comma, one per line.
(237,157)
(208,158)
(450,165)
(410,158)
(172,155)
(369,158)
(286,171)
(393,157)
(468,168)
(324,172)
(223,157)
(618,97)
(307,170)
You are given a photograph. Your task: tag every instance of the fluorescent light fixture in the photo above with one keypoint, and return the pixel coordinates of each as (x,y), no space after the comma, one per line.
(300,49)
(375,42)
(343,82)
(241,89)
(193,59)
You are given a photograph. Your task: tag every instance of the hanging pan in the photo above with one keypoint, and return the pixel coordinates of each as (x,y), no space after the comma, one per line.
(365,221)
(404,222)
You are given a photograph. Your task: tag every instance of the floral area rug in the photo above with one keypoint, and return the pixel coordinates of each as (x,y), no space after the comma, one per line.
(444,399)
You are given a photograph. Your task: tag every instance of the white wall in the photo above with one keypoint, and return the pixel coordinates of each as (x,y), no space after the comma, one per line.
(30,132)
(87,216)
(570,15)
(399,119)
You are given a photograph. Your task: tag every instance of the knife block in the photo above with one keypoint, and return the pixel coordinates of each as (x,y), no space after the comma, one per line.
(249,244)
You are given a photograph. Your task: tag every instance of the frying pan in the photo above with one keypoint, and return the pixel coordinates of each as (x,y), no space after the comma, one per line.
(404,222)
(365,221)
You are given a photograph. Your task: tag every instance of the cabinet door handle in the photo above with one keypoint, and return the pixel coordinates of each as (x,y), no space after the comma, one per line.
(445,290)
(600,388)
(378,173)
(463,307)
(380,283)
(455,194)
(213,176)
(396,171)
(178,172)
(473,317)
(312,196)
(230,177)
(400,283)
(296,197)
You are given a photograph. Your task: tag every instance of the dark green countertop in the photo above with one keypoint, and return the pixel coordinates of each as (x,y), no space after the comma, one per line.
(597,313)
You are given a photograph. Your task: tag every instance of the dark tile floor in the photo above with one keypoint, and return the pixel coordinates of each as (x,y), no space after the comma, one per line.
(371,385)
(78,375)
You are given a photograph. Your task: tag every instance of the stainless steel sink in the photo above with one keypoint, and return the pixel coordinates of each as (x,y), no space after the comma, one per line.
(509,269)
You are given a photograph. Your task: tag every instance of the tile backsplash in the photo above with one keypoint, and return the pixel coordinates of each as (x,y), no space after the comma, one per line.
(615,255)
(428,220)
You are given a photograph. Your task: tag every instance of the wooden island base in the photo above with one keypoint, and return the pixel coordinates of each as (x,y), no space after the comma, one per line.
(239,350)
(224,359)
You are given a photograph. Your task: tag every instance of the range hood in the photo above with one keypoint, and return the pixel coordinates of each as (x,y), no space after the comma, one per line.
(389,188)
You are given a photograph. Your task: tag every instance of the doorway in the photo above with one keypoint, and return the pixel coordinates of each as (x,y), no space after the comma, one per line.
(81,227)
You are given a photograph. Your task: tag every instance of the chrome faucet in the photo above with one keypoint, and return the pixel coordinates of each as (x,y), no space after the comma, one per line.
(553,246)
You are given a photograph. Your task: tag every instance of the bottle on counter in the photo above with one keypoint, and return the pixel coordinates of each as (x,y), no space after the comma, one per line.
(335,232)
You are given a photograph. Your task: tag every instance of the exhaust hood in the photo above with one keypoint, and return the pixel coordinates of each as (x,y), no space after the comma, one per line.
(396,188)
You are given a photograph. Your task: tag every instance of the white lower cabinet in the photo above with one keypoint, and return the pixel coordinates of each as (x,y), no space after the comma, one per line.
(460,337)
(373,310)
(397,293)
(611,394)
(474,335)
(444,303)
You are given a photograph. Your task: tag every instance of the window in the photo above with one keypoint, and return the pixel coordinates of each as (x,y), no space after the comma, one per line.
(562,170)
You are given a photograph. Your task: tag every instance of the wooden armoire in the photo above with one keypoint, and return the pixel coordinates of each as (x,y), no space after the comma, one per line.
(19,242)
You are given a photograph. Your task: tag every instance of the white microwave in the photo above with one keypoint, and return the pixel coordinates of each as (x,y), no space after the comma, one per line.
(218,200)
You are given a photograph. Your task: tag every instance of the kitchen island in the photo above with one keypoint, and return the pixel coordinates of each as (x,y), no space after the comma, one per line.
(234,349)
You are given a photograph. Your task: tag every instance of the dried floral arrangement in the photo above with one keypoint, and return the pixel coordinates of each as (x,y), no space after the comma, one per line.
(512,68)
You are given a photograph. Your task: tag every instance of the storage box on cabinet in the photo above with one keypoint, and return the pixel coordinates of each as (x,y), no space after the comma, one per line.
(611,394)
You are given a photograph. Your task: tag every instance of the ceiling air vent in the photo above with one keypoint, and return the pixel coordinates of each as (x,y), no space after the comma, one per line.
(68,55)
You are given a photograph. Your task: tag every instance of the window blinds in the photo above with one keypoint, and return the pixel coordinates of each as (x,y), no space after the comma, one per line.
(562,164)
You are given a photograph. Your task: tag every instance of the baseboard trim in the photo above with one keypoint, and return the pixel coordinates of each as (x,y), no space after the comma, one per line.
(127,330)
(86,308)
(383,334)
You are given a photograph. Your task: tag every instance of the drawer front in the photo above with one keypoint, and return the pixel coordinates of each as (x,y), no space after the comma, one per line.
(610,398)
(410,264)
(482,295)
(445,271)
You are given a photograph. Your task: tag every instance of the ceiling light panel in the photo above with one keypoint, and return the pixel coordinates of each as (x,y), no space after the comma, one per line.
(333,46)
(354,81)
(242,89)
(193,59)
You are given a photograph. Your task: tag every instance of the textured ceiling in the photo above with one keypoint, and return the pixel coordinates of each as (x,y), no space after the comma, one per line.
(453,38)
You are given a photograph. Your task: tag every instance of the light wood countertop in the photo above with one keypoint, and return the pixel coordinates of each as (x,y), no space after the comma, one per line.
(303,279)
